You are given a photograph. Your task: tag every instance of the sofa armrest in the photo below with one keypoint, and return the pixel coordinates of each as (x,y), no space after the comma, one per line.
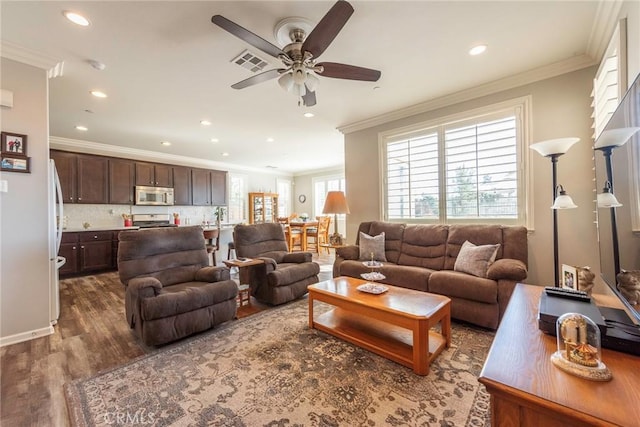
(298,257)
(509,269)
(351,252)
(213,274)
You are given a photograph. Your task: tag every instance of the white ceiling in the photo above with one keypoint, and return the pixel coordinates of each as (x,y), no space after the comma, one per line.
(168,67)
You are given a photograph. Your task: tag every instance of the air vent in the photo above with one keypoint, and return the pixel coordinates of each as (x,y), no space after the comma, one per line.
(250,61)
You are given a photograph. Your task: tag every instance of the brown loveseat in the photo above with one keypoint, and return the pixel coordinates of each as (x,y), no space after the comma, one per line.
(422,257)
(171,292)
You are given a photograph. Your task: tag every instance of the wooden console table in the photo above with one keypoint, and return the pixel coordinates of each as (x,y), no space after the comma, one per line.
(528,390)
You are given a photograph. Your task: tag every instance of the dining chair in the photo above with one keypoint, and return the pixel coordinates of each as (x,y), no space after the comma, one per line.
(320,234)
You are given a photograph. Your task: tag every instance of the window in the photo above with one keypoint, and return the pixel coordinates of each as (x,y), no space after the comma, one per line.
(237,198)
(284,197)
(465,169)
(321,186)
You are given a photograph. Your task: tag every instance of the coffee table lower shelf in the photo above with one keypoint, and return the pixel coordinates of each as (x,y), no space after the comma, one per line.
(388,340)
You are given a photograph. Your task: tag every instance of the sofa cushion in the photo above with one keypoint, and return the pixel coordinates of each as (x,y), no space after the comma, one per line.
(474,259)
(372,247)
(480,234)
(393,233)
(424,245)
(398,275)
(455,284)
(287,273)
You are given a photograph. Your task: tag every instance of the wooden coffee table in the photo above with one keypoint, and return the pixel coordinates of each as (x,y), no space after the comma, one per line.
(395,324)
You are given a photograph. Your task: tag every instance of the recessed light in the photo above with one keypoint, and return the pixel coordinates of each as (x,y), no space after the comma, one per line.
(76,18)
(82,128)
(225,154)
(205,122)
(270,140)
(166,143)
(477,50)
(215,140)
(98,94)
(308,114)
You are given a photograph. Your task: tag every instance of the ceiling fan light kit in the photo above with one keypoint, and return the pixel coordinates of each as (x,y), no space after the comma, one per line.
(300,53)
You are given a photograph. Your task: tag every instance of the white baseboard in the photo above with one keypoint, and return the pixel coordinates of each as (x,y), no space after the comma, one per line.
(26,336)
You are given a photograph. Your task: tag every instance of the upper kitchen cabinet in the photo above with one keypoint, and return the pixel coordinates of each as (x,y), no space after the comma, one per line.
(121,181)
(67,167)
(182,186)
(209,187)
(93,179)
(155,175)
(83,177)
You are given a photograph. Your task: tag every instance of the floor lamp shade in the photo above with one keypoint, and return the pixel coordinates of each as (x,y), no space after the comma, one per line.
(335,203)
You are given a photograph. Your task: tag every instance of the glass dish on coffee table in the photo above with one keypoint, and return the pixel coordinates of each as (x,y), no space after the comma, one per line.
(371,277)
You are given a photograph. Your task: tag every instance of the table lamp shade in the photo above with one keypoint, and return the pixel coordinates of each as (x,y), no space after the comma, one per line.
(335,203)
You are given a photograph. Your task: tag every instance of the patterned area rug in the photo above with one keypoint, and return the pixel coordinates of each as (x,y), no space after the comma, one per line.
(270,369)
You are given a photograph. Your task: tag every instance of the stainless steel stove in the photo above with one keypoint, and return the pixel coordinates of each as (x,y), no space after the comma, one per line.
(152,220)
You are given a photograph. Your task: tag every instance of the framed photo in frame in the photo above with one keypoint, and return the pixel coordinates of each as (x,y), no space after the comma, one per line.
(569,277)
(11,163)
(14,144)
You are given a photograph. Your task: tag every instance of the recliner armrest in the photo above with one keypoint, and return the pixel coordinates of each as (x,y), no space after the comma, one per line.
(270,263)
(143,287)
(351,252)
(298,257)
(507,268)
(213,274)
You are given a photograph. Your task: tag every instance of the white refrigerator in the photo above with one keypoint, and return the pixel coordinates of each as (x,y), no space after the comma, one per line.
(56,211)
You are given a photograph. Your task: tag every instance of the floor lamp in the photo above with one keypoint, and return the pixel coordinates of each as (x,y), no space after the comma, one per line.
(553,149)
(607,141)
(335,203)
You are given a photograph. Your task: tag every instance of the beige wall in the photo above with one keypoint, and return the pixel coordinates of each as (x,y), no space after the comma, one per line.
(24,277)
(560,108)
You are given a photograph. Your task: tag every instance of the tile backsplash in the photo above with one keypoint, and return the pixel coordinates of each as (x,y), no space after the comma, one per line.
(111,215)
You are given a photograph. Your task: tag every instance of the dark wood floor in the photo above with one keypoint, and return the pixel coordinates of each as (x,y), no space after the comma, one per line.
(91,335)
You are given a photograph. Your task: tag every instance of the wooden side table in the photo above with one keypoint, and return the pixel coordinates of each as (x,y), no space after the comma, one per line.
(244,288)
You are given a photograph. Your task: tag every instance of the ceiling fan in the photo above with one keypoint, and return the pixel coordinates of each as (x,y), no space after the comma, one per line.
(299,57)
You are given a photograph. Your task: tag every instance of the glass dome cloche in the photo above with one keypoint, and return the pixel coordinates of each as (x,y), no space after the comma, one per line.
(578,348)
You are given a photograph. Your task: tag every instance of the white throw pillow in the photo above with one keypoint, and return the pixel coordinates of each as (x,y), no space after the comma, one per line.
(474,259)
(372,245)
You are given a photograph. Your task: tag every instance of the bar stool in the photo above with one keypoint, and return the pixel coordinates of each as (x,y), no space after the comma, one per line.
(212,238)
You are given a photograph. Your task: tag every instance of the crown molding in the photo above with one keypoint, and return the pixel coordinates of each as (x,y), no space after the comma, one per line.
(603,25)
(31,57)
(98,148)
(552,70)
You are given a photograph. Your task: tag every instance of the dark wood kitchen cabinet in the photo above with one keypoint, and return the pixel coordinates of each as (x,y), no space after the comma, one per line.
(155,175)
(182,186)
(121,181)
(89,252)
(67,168)
(93,179)
(209,187)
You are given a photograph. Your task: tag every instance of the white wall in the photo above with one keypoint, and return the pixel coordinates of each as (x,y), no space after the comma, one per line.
(560,108)
(24,235)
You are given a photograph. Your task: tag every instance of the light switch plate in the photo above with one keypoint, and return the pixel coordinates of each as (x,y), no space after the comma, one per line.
(4,186)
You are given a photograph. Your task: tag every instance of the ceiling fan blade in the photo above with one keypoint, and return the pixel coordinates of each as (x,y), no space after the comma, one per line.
(327,29)
(351,72)
(258,78)
(309,98)
(246,35)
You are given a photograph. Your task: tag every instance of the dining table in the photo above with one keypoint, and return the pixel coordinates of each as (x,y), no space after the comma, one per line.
(303,226)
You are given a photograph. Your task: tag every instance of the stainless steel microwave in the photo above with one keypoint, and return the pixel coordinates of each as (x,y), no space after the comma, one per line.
(154,196)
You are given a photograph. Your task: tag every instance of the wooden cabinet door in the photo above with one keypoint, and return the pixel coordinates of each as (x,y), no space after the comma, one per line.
(66,165)
(201,187)
(121,181)
(145,174)
(163,176)
(93,179)
(218,188)
(70,252)
(96,250)
(182,186)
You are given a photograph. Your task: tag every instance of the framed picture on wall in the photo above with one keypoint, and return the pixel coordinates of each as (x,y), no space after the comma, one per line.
(11,163)
(14,144)
(569,277)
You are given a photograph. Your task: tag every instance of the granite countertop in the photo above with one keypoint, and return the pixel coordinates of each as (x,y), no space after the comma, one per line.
(97,228)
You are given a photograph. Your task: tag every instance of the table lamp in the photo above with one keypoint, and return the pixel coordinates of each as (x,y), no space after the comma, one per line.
(335,203)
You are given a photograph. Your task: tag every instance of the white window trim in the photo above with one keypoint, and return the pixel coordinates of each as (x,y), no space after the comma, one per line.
(525,174)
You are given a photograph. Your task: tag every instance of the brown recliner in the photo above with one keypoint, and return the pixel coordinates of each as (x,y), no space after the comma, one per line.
(171,292)
(284,276)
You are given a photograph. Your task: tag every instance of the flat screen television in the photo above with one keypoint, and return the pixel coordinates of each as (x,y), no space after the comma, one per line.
(620,142)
